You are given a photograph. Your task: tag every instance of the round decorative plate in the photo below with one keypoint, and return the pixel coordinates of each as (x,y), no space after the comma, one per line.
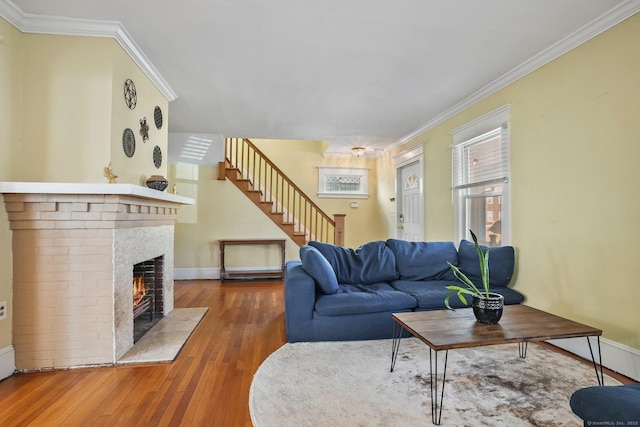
(130,95)
(128,142)
(157,157)
(157,117)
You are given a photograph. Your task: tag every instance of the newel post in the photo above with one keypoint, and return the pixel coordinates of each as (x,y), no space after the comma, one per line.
(338,230)
(222,166)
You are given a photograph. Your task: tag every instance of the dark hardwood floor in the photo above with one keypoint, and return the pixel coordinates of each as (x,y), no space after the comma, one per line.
(207,385)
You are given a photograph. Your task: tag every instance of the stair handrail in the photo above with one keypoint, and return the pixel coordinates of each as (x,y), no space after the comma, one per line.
(235,157)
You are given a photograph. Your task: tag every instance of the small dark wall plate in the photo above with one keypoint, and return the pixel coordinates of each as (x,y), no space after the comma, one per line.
(157,157)
(128,142)
(157,117)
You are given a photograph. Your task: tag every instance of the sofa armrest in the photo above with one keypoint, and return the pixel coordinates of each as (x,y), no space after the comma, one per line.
(299,302)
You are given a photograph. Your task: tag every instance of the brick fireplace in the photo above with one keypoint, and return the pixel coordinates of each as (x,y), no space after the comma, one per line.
(74,248)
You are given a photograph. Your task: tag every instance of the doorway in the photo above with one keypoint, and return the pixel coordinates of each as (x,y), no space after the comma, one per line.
(410,195)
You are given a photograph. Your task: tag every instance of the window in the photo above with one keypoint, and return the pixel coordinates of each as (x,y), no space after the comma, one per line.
(343,182)
(480,164)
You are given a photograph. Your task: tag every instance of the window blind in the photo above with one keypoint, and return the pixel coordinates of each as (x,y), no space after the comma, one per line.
(481,160)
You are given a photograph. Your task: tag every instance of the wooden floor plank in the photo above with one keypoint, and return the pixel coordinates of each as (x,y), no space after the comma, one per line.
(207,385)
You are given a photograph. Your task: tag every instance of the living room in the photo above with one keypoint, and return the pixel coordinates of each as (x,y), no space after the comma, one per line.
(573,143)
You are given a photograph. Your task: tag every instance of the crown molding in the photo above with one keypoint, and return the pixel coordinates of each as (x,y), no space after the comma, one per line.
(46,24)
(599,25)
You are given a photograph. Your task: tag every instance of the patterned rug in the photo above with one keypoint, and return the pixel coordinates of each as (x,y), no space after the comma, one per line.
(349,384)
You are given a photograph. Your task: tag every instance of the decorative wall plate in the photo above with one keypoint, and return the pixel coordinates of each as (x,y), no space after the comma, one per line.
(128,142)
(157,157)
(157,117)
(144,129)
(130,95)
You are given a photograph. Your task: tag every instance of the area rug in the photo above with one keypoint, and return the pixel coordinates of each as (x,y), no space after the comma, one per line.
(349,384)
(164,341)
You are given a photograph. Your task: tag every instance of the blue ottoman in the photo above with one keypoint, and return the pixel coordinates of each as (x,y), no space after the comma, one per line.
(608,403)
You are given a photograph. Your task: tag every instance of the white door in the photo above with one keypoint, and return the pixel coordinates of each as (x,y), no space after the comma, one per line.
(410,202)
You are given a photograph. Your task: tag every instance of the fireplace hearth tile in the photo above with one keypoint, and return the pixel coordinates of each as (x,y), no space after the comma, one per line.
(164,341)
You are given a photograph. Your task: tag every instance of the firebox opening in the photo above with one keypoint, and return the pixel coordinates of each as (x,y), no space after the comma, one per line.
(148,304)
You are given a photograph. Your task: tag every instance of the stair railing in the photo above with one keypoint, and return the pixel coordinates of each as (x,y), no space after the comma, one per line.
(287,198)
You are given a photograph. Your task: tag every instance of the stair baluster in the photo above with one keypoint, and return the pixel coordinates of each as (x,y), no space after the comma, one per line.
(277,195)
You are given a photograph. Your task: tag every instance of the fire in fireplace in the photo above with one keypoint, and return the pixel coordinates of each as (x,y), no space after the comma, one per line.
(142,298)
(147,295)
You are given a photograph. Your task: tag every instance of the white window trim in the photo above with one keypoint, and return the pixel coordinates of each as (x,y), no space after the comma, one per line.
(325,172)
(483,124)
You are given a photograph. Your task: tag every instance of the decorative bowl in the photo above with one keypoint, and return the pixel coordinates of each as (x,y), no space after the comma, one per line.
(157,182)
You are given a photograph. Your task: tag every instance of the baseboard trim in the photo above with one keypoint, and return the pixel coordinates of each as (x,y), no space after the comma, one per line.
(615,356)
(7,362)
(213,273)
(196,273)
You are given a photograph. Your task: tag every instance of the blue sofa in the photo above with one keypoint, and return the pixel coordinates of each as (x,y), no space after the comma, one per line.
(335,293)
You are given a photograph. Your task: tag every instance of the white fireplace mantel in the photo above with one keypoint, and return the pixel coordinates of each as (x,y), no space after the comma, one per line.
(90,188)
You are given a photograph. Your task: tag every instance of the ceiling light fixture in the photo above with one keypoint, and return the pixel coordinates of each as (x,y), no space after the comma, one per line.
(358,151)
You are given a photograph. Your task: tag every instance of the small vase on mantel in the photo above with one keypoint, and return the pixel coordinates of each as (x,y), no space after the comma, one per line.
(488,309)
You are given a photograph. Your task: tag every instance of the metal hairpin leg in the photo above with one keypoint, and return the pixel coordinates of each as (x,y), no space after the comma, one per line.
(395,344)
(522,349)
(599,375)
(436,408)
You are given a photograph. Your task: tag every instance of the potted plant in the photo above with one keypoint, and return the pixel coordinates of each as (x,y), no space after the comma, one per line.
(487,306)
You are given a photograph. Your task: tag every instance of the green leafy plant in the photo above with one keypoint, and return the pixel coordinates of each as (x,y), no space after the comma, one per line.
(469,288)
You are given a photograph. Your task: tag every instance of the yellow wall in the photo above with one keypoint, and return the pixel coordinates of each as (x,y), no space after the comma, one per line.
(73,114)
(223,212)
(140,166)
(575,126)
(63,114)
(10,74)
(64,109)
(299,160)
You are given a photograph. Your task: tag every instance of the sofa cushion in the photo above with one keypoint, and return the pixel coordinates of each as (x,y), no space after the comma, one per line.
(430,294)
(360,299)
(598,405)
(501,263)
(317,266)
(370,263)
(424,260)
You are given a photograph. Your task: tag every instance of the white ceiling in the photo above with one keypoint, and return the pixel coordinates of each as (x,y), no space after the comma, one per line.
(353,72)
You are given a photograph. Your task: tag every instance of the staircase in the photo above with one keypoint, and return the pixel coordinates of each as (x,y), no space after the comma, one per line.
(277,196)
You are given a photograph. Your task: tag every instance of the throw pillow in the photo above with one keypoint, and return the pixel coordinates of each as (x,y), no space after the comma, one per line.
(317,266)
(501,263)
(372,262)
(424,260)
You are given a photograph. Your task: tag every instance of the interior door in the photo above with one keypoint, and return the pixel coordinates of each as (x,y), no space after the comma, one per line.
(410,202)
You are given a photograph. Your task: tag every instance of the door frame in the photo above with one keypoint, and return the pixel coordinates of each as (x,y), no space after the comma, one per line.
(404,158)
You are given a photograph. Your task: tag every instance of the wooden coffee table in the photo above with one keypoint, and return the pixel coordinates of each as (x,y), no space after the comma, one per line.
(451,329)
